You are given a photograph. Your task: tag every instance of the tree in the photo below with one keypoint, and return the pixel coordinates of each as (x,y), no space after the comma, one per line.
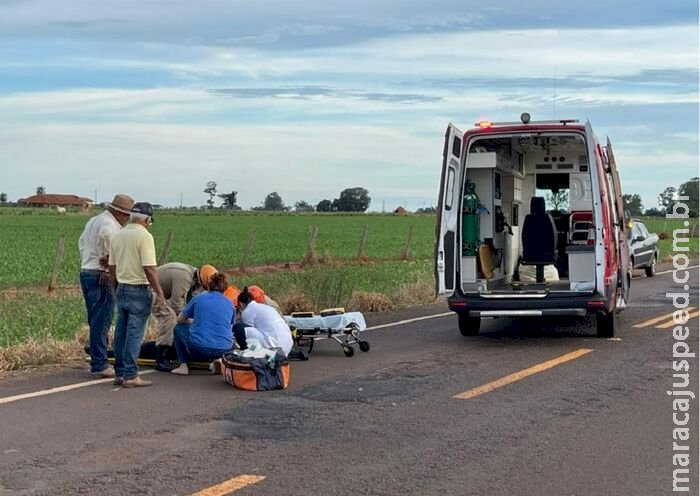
(273,202)
(666,199)
(302,206)
(211,191)
(229,200)
(558,199)
(690,189)
(653,212)
(3,197)
(324,206)
(352,200)
(426,210)
(633,203)
(41,190)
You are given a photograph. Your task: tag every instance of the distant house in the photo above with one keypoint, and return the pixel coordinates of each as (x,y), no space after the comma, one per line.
(401,211)
(51,200)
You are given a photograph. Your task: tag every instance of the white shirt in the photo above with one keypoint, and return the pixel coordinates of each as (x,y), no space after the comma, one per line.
(95,240)
(273,327)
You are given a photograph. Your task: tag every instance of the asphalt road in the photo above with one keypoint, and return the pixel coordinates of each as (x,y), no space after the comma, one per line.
(380,423)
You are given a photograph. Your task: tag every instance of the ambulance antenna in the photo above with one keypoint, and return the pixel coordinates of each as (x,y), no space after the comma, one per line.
(554,100)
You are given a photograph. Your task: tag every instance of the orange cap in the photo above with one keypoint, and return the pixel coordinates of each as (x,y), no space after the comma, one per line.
(257,293)
(232,293)
(205,273)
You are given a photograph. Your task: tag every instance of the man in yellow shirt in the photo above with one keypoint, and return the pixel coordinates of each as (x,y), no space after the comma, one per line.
(132,265)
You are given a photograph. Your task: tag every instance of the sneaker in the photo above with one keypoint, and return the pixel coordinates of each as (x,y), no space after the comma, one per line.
(183,369)
(107,373)
(216,367)
(135,382)
(118,381)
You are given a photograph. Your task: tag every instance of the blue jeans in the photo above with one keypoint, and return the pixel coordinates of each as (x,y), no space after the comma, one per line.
(187,352)
(133,310)
(99,302)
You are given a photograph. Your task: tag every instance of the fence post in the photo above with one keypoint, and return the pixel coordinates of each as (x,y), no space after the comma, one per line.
(363,240)
(409,239)
(57,261)
(310,257)
(249,250)
(166,249)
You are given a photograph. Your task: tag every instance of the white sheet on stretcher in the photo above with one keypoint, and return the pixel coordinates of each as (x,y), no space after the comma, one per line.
(333,322)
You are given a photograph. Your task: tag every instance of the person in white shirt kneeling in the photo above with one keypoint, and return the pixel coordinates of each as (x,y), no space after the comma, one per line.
(263,323)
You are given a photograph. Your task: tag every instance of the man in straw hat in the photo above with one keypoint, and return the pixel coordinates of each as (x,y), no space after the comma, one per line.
(94,246)
(180,282)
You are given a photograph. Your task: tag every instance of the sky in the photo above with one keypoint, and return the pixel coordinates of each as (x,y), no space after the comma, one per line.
(155,98)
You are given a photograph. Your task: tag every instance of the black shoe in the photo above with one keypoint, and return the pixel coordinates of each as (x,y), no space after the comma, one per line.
(162,360)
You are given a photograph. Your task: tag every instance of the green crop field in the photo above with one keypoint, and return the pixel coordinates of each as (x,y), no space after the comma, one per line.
(29,238)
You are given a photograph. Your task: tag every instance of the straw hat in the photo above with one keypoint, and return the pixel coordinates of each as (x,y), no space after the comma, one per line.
(122,203)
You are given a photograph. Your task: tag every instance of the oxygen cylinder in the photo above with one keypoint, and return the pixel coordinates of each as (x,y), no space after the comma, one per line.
(470,221)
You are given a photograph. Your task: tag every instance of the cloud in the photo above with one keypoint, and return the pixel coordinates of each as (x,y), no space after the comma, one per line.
(90,23)
(308,92)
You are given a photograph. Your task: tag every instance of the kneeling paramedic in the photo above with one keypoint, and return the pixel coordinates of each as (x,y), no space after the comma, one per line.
(180,282)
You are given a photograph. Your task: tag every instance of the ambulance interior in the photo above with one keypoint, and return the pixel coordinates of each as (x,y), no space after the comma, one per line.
(527,215)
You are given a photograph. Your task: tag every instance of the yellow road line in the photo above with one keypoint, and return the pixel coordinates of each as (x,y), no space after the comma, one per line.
(656,320)
(230,485)
(504,381)
(672,323)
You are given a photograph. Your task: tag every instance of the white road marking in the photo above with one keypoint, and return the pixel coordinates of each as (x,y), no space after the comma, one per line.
(70,387)
(669,271)
(61,389)
(408,321)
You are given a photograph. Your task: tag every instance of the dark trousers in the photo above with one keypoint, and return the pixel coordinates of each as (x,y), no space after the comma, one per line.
(99,302)
(134,308)
(239,335)
(187,352)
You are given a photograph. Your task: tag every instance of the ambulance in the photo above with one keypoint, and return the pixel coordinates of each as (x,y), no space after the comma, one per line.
(531,223)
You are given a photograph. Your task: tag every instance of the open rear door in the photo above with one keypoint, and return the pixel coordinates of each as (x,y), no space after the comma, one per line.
(622,220)
(448,208)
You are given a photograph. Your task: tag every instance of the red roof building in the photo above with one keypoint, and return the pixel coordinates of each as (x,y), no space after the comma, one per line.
(51,200)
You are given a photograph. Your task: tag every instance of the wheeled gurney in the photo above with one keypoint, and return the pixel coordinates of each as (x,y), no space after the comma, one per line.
(343,328)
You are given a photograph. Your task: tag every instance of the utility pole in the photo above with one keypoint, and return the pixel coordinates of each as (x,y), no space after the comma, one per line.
(180,200)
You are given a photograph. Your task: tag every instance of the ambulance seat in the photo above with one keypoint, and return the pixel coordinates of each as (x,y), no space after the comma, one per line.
(539,238)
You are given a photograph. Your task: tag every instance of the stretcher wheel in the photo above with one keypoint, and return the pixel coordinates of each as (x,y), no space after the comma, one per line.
(349,351)
(364,346)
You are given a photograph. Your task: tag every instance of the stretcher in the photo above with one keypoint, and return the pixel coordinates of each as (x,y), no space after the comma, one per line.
(150,362)
(343,328)
(147,357)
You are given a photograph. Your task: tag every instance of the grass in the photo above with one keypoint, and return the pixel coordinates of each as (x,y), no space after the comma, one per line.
(29,239)
(32,316)
(661,225)
(36,329)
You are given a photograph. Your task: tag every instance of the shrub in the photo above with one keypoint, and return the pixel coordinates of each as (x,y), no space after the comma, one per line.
(363,301)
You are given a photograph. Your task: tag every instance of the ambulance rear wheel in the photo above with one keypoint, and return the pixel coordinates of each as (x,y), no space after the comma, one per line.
(606,324)
(364,346)
(349,351)
(468,326)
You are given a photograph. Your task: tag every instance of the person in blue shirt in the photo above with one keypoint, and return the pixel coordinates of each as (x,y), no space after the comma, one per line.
(209,335)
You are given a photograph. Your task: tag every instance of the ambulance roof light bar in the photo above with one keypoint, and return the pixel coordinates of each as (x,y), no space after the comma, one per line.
(524,119)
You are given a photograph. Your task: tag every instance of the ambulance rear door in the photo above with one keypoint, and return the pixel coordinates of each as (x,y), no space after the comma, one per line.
(448,211)
(622,226)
